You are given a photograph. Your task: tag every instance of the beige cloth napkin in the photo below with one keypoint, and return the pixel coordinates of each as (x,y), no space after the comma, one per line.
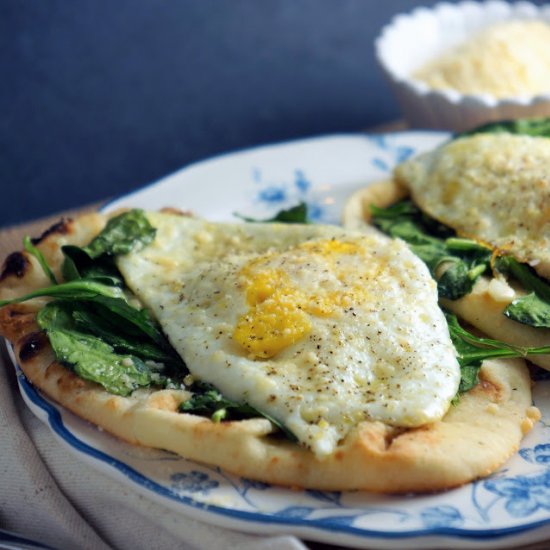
(48,494)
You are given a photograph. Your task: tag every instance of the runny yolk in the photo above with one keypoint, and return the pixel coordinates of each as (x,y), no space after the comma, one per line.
(272,325)
(279,311)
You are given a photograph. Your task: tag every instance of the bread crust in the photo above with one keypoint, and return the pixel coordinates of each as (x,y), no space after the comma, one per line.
(475,437)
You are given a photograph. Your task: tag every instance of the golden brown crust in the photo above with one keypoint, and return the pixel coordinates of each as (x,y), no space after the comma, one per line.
(474,438)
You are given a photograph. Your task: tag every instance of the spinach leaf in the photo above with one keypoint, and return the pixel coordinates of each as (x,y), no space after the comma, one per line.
(472,351)
(458,279)
(530,127)
(212,403)
(90,324)
(137,320)
(406,210)
(208,401)
(455,263)
(89,356)
(78,265)
(73,290)
(31,249)
(525,274)
(534,308)
(530,310)
(295,214)
(108,298)
(122,234)
(110,303)
(88,319)
(455,282)
(469,378)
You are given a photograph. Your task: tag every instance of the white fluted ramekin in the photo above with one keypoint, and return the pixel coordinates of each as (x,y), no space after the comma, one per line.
(411,40)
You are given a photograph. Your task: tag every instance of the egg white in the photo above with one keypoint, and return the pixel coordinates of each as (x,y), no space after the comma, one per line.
(318,327)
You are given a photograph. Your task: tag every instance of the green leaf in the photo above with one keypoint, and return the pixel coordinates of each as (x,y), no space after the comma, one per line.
(72,290)
(473,248)
(295,214)
(434,244)
(537,127)
(525,274)
(208,401)
(92,327)
(139,319)
(31,249)
(56,315)
(529,310)
(395,211)
(90,357)
(69,268)
(107,297)
(109,302)
(455,281)
(534,309)
(212,401)
(459,278)
(469,377)
(94,360)
(78,265)
(121,235)
(472,351)
(87,319)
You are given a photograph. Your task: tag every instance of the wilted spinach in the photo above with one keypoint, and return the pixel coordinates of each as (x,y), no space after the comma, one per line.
(463,261)
(534,308)
(208,401)
(122,234)
(537,127)
(472,351)
(90,324)
(90,357)
(455,263)
(295,214)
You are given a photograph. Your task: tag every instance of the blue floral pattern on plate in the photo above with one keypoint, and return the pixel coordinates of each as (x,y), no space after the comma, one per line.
(276,195)
(523,495)
(323,172)
(193,482)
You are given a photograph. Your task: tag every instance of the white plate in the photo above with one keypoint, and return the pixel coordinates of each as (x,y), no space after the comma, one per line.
(510,508)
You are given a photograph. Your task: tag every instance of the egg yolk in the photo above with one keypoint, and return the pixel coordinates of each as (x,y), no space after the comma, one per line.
(272,325)
(280,309)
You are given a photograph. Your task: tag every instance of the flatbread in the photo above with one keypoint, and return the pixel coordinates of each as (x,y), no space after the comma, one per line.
(475,437)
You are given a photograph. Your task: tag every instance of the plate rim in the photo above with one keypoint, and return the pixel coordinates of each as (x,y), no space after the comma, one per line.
(107,206)
(117,468)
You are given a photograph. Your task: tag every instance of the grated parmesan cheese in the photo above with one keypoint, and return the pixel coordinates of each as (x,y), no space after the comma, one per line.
(509,59)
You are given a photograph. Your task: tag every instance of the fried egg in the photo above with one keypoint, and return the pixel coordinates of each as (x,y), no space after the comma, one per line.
(318,327)
(474,184)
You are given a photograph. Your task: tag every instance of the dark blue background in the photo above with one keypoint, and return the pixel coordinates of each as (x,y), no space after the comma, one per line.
(101,96)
